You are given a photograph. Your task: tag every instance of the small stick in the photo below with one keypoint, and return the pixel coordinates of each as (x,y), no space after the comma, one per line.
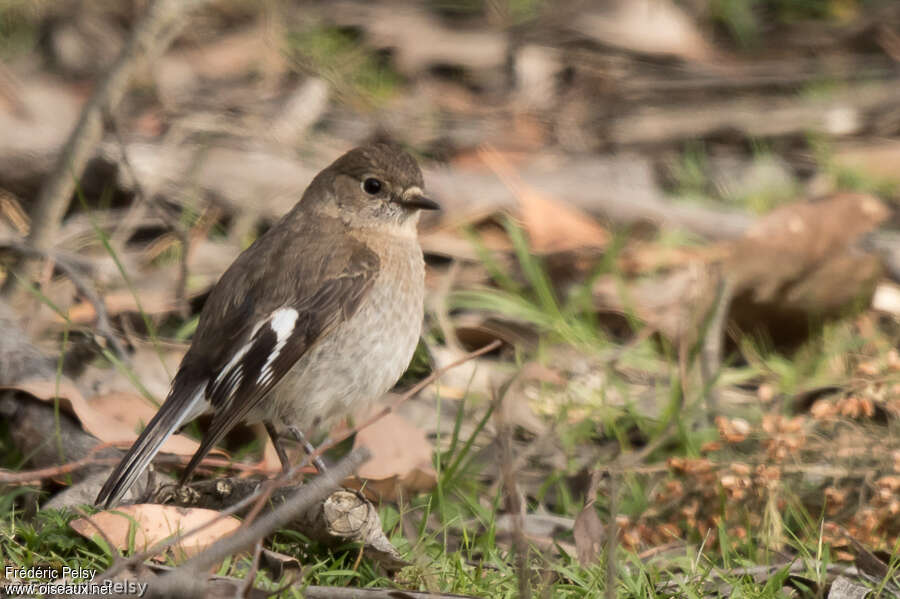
(29,476)
(104,326)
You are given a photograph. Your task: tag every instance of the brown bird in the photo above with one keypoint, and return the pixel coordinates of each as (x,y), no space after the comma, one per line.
(318,317)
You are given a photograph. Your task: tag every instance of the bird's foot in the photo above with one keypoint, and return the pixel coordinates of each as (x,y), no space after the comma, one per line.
(298,435)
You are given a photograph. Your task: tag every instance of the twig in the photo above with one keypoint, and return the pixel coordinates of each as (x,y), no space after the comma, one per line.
(144,199)
(104,326)
(254,568)
(612,534)
(152,34)
(350,593)
(29,476)
(513,497)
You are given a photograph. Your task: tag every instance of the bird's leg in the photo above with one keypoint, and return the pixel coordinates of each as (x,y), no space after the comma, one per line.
(276,442)
(307,446)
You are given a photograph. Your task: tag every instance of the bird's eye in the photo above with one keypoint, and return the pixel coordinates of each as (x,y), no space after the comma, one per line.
(371,186)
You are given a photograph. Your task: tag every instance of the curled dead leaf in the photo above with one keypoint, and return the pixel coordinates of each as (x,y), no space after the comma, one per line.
(401,459)
(552,225)
(153,523)
(113,418)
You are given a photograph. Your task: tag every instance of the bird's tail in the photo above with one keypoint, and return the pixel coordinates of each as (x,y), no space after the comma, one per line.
(178,409)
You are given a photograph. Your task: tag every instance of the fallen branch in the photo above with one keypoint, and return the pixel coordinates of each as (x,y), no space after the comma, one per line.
(229,586)
(29,476)
(343,517)
(312,492)
(316,592)
(840,114)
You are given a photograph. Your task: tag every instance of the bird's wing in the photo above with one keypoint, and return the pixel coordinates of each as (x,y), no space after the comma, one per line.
(277,343)
(259,319)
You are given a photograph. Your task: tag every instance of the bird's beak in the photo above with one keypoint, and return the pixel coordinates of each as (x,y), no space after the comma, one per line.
(414,198)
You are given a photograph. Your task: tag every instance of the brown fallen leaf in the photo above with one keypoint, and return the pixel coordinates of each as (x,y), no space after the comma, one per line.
(880,158)
(655,27)
(588,530)
(799,261)
(555,226)
(798,242)
(401,459)
(153,367)
(113,419)
(120,301)
(552,226)
(154,523)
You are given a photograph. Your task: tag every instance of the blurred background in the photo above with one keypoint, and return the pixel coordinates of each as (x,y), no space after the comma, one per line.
(677,215)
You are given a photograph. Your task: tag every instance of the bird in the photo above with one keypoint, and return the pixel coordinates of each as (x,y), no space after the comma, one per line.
(320,316)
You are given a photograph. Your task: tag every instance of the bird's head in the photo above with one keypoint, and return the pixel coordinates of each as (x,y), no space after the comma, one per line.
(378,185)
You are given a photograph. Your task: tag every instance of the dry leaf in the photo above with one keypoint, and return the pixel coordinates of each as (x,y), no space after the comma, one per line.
(800,253)
(886,298)
(589,533)
(113,419)
(154,372)
(844,588)
(649,27)
(552,226)
(155,523)
(117,302)
(401,458)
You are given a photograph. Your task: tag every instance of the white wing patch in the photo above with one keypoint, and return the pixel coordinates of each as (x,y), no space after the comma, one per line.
(282,323)
(231,363)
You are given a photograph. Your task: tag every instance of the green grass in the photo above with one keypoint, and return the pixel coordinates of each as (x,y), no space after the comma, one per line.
(747,20)
(847,178)
(18,28)
(450,535)
(354,71)
(477,565)
(760,185)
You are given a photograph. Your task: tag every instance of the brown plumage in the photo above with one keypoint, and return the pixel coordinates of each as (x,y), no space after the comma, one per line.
(322,313)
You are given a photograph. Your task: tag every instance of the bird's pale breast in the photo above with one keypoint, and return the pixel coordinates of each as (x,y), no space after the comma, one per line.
(363,357)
